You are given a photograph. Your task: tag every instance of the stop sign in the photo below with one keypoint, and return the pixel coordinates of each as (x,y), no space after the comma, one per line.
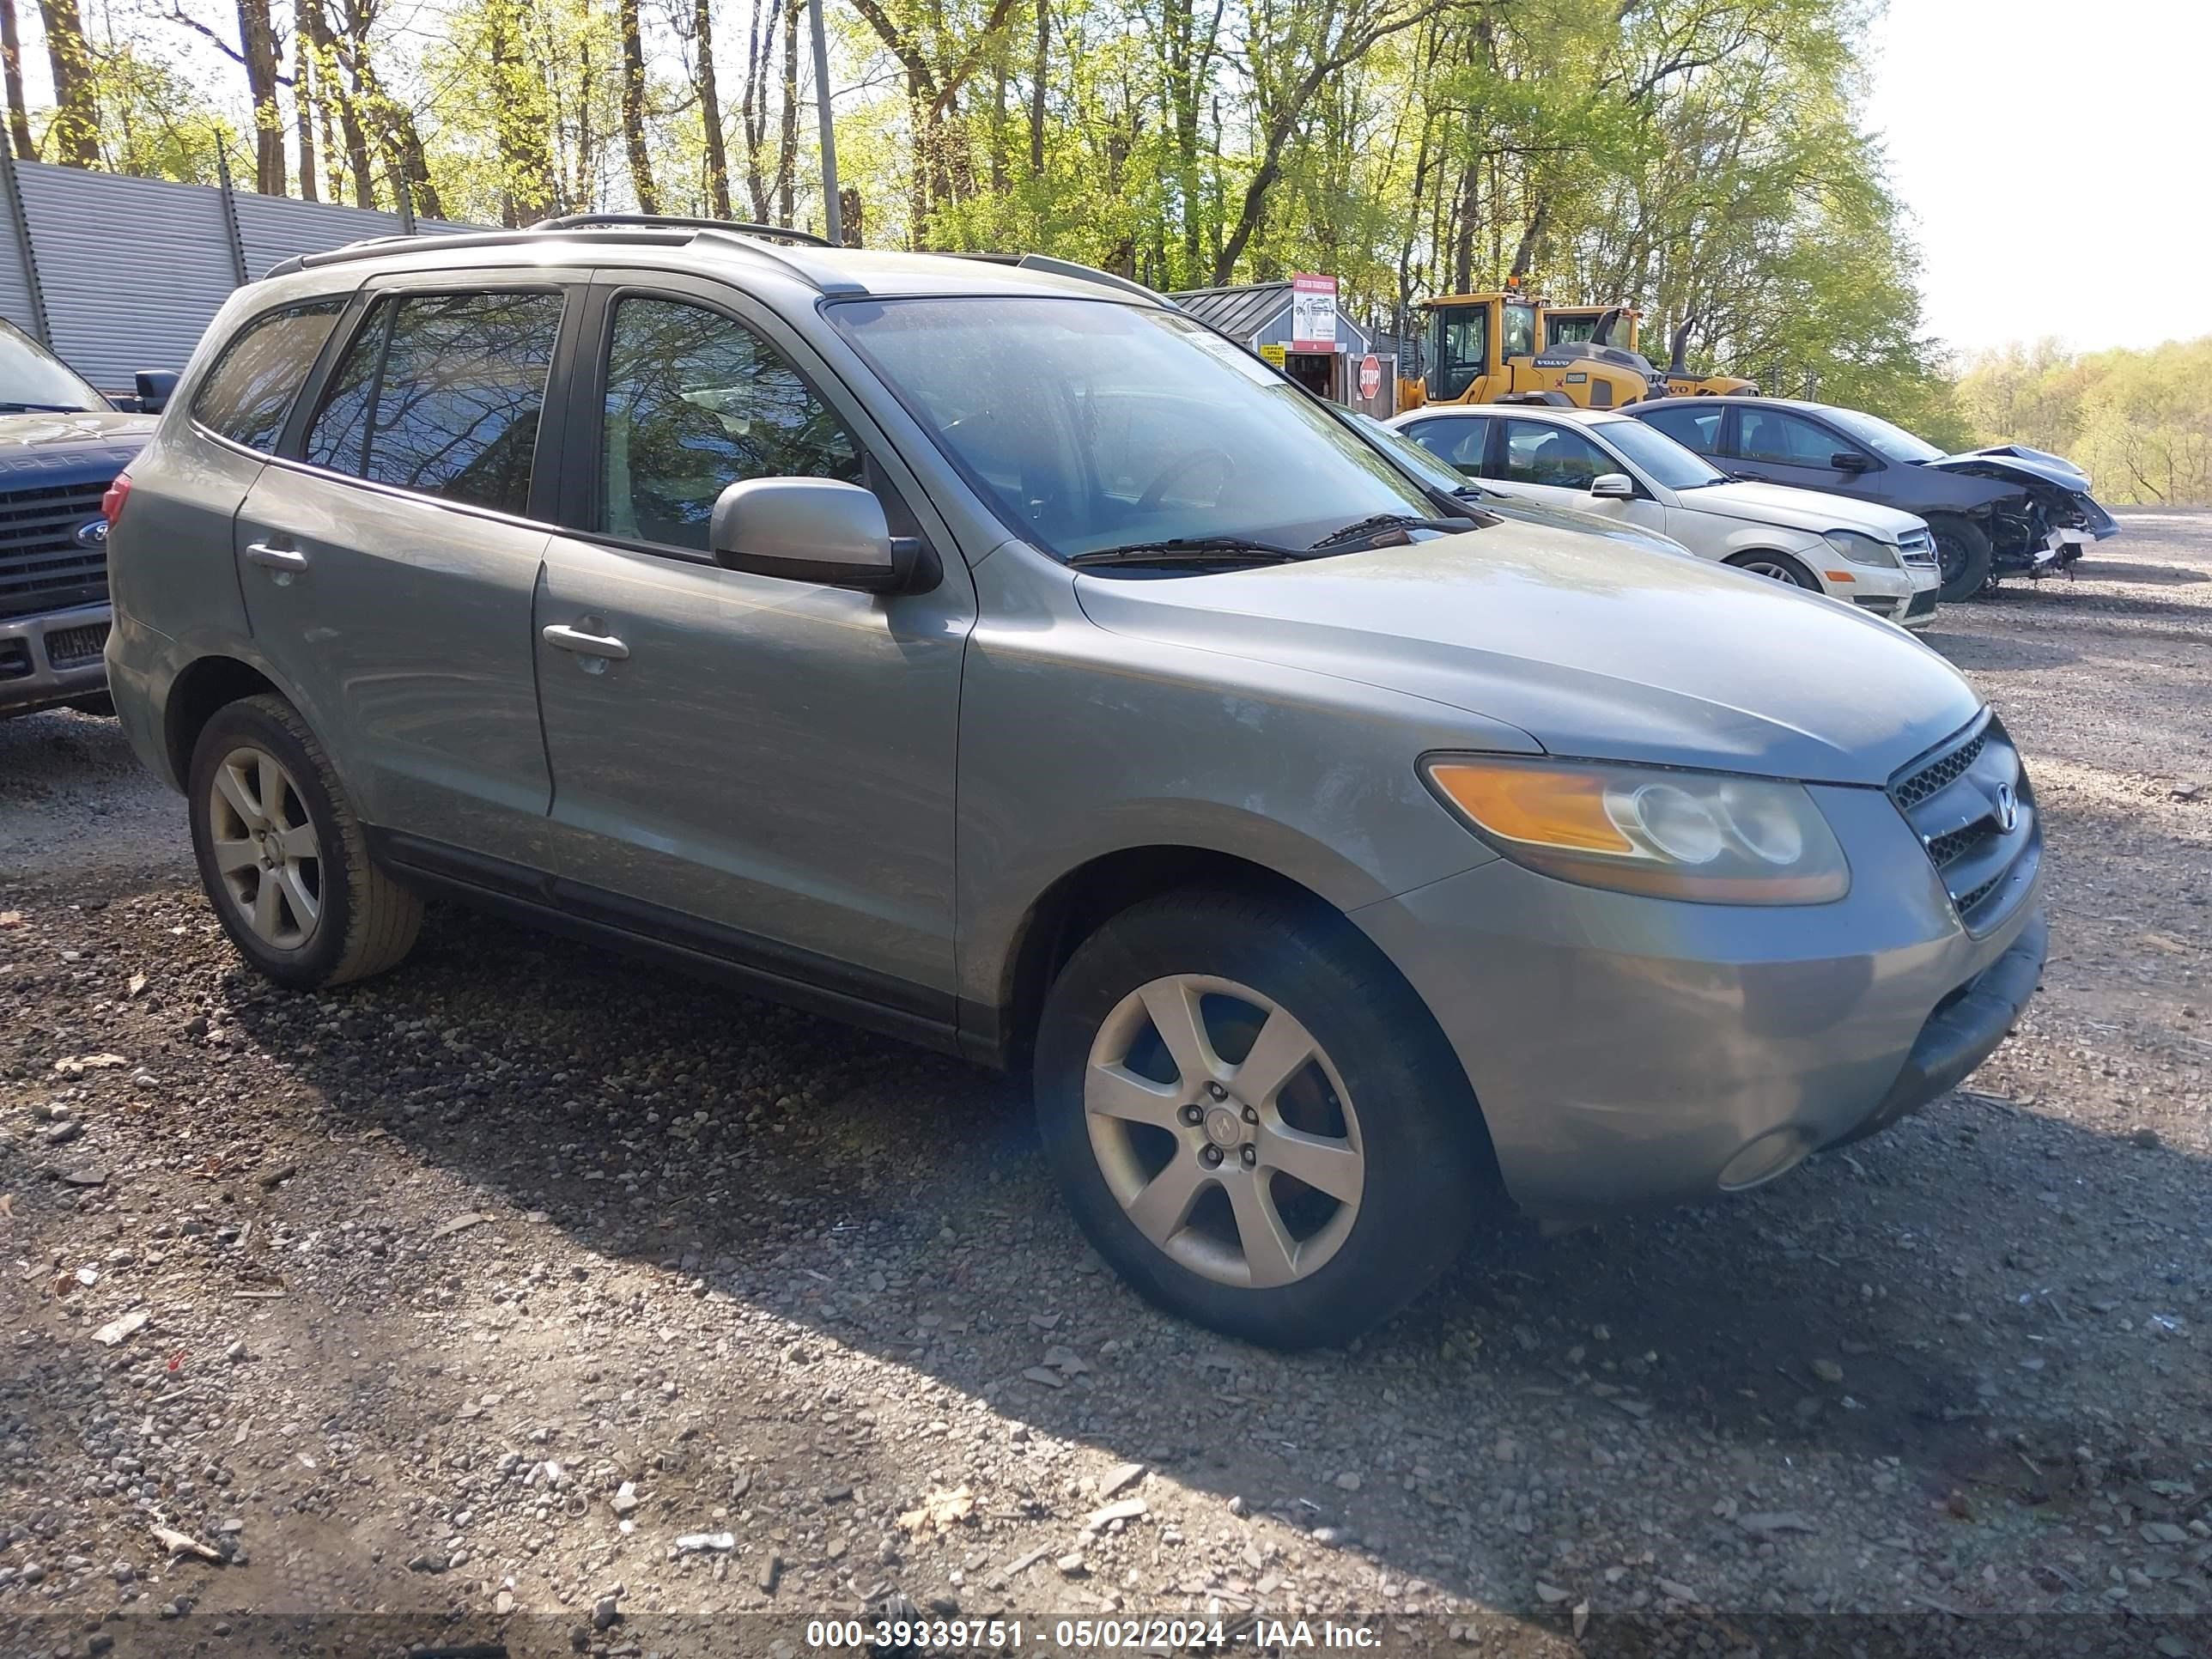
(1370,375)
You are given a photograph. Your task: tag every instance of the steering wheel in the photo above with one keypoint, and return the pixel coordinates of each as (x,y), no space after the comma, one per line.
(1175,472)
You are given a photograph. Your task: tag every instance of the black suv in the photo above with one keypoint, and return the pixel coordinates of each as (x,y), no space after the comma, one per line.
(1994,513)
(61,445)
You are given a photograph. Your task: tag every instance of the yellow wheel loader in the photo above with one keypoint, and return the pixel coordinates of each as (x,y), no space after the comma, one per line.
(1490,348)
(1562,325)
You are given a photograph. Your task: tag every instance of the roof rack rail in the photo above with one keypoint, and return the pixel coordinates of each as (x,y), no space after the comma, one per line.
(1045,262)
(648,220)
(370,247)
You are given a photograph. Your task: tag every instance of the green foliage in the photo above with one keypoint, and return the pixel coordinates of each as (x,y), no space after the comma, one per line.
(2139,422)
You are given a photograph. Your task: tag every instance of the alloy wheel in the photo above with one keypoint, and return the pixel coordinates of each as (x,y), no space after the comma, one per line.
(1224,1131)
(1780,573)
(266,851)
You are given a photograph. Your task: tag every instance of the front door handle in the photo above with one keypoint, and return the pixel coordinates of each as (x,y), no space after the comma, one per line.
(277,558)
(563,638)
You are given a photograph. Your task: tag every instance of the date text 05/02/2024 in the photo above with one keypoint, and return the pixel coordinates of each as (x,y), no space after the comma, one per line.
(1082,1635)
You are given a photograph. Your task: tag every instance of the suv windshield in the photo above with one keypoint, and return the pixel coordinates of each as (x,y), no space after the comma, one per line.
(31,377)
(1664,460)
(1892,442)
(1091,424)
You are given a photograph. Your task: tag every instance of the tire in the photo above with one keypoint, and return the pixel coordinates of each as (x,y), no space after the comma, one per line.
(1380,1088)
(281,854)
(1779,567)
(1962,553)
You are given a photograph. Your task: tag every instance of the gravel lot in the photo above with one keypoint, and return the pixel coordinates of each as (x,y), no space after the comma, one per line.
(527,1295)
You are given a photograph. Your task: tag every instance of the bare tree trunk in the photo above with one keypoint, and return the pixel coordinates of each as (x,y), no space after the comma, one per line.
(786,158)
(75,128)
(337,90)
(710,112)
(1524,257)
(257,40)
(1036,91)
(525,158)
(633,107)
(11,58)
(303,98)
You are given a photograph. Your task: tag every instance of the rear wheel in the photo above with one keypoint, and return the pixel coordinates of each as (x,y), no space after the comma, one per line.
(1962,554)
(283,856)
(1778,567)
(1255,1120)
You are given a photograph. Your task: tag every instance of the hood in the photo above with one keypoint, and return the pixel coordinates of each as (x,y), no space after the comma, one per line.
(1593,648)
(1589,524)
(2015,461)
(96,428)
(1810,510)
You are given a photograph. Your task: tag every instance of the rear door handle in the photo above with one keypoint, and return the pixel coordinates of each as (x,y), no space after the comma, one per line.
(276,558)
(562,638)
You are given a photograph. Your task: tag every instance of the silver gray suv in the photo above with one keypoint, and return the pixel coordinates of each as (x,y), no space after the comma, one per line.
(982,651)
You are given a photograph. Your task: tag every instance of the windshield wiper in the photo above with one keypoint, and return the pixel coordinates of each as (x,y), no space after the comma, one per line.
(1192,550)
(42,409)
(1369,528)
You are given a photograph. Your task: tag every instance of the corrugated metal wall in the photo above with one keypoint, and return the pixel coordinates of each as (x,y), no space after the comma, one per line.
(132,270)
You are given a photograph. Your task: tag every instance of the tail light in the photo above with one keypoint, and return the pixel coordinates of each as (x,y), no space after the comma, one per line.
(117,497)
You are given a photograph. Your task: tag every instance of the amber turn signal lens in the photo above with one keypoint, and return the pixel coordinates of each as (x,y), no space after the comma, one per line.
(1543,808)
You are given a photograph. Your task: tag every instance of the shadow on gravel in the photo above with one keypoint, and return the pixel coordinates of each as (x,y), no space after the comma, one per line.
(895,1202)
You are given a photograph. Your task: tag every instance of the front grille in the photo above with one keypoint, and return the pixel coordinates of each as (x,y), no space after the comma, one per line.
(43,566)
(1918,548)
(68,646)
(1957,800)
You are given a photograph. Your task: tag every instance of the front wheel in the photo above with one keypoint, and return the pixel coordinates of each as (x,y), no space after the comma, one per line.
(1962,555)
(1255,1120)
(1778,567)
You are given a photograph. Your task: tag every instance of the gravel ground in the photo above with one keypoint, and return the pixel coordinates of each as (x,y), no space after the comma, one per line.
(526,1296)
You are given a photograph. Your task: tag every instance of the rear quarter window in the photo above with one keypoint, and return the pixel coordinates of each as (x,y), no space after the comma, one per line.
(250,391)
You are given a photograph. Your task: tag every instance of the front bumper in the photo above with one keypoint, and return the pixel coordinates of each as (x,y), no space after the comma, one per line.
(53,659)
(1629,1051)
(1906,597)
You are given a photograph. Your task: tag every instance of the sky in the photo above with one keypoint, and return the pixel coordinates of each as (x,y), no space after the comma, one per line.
(2054,155)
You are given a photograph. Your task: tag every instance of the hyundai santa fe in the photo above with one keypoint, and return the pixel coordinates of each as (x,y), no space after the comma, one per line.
(984,651)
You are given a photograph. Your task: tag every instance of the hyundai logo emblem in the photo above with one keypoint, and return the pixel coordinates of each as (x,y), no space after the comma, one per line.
(94,534)
(2007,805)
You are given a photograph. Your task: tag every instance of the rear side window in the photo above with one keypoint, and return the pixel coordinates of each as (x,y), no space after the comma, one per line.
(250,391)
(1783,439)
(1693,426)
(1460,442)
(441,394)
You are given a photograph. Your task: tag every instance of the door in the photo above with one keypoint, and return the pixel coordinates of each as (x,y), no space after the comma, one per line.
(1554,463)
(762,768)
(1782,447)
(388,563)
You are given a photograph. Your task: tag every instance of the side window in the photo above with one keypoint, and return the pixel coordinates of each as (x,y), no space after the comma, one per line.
(1692,427)
(1459,441)
(697,402)
(248,393)
(441,394)
(1786,439)
(1538,452)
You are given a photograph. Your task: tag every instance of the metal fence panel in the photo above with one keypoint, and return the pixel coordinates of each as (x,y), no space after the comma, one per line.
(131,269)
(275,228)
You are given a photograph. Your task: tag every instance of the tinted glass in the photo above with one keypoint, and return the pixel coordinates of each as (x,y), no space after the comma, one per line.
(1661,459)
(695,403)
(1882,437)
(1460,345)
(1785,439)
(1093,425)
(1538,452)
(1517,335)
(31,377)
(250,390)
(454,411)
(1692,424)
(1460,440)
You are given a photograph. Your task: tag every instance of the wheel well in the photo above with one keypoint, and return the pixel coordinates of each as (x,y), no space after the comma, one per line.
(1074,907)
(199,691)
(1745,555)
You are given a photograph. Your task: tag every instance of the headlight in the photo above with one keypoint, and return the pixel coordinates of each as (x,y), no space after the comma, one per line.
(1700,835)
(1861,549)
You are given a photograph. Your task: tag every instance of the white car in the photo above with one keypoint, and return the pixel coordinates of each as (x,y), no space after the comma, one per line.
(1600,462)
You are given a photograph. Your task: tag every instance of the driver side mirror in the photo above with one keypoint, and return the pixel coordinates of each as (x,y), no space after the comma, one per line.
(816,529)
(155,387)
(1613,487)
(1850,460)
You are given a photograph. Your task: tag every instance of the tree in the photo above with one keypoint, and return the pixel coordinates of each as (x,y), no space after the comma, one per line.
(76,128)
(11,60)
(633,107)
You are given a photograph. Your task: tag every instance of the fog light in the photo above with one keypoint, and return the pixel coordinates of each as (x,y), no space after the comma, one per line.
(1771,1155)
